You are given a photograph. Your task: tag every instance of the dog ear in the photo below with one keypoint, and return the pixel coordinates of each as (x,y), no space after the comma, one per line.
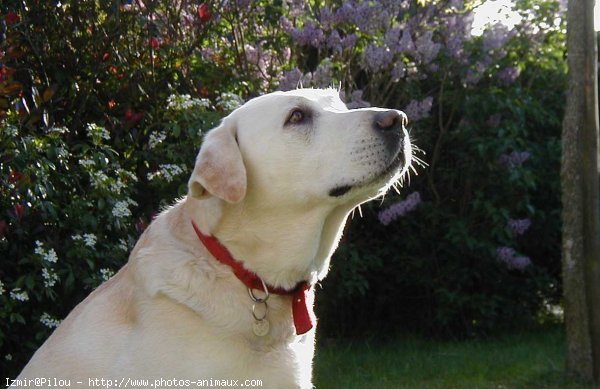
(219,169)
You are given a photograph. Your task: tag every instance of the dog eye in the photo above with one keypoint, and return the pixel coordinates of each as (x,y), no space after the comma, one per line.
(296,117)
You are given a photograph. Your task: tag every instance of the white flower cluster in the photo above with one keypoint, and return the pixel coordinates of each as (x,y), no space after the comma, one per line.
(10,130)
(58,130)
(97,133)
(156,138)
(121,208)
(123,245)
(185,102)
(88,239)
(2,290)
(99,179)
(8,357)
(19,295)
(167,172)
(87,163)
(105,273)
(118,184)
(50,277)
(62,152)
(49,321)
(47,255)
(229,101)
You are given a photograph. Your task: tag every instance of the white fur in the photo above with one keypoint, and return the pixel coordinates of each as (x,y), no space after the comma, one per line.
(262,188)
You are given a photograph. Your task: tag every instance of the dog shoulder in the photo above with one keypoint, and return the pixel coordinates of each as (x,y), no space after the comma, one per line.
(108,313)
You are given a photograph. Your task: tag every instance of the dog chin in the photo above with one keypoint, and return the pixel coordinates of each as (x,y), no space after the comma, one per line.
(377,185)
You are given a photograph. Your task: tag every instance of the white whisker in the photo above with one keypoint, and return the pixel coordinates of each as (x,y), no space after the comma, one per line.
(419,161)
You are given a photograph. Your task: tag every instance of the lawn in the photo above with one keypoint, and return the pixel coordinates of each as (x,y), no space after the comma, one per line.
(527,360)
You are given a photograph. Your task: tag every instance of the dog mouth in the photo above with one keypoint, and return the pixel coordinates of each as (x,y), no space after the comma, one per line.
(339,191)
(378,181)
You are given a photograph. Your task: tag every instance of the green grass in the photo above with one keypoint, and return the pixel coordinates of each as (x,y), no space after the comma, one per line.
(531,360)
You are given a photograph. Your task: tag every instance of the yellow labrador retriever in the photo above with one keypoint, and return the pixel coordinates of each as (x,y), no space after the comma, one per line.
(219,288)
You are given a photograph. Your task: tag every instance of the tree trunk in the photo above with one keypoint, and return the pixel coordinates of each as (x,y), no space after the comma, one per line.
(580,196)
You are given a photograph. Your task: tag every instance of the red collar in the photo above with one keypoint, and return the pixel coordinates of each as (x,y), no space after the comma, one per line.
(303,321)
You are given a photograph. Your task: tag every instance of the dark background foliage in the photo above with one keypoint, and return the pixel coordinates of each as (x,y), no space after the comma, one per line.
(103,105)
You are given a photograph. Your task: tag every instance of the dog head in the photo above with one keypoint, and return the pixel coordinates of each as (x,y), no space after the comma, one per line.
(302,147)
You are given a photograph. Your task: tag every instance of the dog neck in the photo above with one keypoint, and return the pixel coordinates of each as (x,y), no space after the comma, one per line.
(291,247)
(303,321)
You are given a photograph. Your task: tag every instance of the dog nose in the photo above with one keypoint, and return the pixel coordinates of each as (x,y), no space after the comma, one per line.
(388,120)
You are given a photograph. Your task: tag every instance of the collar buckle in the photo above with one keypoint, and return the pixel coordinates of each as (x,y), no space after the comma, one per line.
(258,299)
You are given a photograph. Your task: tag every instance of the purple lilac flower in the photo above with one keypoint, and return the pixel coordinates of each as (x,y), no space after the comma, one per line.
(398,71)
(393,7)
(495,37)
(519,226)
(454,45)
(334,42)
(392,38)
(427,49)
(472,77)
(323,75)
(326,18)
(417,110)
(520,262)
(345,14)
(286,25)
(309,35)
(509,257)
(508,75)
(505,254)
(458,31)
(399,209)
(188,19)
(291,80)
(296,7)
(382,17)
(515,158)
(377,57)
(476,73)
(356,100)
(370,18)
(349,40)
(363,18)
(257,56)
(406,44)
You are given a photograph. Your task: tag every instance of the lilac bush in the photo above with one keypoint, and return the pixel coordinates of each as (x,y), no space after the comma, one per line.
(489,137)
